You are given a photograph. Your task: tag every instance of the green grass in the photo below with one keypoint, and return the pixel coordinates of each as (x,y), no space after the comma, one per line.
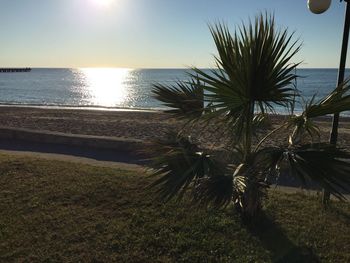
(54,211)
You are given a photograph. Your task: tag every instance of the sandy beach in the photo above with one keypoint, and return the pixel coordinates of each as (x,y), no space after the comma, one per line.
(143,125)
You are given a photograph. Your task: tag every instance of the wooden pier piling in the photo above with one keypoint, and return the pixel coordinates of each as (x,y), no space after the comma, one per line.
(11,70)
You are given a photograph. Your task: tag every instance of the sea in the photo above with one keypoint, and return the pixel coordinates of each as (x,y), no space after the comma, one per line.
(122,88)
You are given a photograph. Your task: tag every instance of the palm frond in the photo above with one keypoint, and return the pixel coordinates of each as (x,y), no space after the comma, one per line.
(185,99)
(255,61)
(250,188)
(253,67)
(302,125)
(337,101)
(261,121)
(215,190)
(180,163)
(323,163)
(267,160)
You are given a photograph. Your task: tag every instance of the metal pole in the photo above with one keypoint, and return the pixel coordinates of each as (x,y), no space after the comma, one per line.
(334,133)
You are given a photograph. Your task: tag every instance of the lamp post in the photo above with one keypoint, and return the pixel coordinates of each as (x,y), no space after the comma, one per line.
(318,7)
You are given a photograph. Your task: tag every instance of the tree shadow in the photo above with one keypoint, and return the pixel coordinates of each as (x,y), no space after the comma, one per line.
(340,213)
(277,243)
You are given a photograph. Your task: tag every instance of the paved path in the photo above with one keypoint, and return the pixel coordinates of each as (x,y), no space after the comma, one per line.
(76,159)
(99,154)
(71,153)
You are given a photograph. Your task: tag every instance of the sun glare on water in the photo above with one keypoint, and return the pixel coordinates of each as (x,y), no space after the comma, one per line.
(106,86)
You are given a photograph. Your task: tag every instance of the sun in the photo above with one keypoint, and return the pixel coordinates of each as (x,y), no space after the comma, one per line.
(103,3)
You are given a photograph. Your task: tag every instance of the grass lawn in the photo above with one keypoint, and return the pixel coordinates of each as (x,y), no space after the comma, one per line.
(53,211)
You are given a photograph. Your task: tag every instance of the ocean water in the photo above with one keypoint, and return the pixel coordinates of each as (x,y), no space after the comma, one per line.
(120,88)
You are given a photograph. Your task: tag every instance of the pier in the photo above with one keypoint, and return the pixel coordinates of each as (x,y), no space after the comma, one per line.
(5,70)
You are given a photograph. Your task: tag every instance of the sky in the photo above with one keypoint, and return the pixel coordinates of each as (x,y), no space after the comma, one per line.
(151,33)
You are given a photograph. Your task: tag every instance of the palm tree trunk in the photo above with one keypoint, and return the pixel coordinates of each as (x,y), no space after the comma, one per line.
(249,131)
(252,198)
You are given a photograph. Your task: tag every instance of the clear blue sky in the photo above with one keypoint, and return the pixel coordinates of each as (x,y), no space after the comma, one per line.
(150,33)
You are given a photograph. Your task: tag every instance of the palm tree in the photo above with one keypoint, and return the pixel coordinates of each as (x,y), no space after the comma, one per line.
(254,74)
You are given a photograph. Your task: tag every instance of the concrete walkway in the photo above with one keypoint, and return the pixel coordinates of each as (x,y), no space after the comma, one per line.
(76,159)
(93,150)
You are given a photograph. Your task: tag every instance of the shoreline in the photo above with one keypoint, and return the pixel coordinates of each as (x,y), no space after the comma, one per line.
(81,107)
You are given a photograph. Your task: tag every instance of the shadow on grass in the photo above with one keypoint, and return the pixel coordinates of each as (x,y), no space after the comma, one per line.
(340,213)
(277,243)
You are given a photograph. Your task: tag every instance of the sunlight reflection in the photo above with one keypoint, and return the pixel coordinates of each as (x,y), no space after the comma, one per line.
(103,3)
(106,85)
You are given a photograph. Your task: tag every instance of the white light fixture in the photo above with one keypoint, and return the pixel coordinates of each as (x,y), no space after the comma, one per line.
(318,6)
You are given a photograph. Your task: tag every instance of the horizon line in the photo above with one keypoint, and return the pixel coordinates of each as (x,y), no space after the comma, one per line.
(136,68)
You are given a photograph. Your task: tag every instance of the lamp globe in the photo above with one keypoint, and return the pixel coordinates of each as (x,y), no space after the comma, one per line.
(318,6)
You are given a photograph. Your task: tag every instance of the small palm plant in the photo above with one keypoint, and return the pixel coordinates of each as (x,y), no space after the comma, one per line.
(254,74)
